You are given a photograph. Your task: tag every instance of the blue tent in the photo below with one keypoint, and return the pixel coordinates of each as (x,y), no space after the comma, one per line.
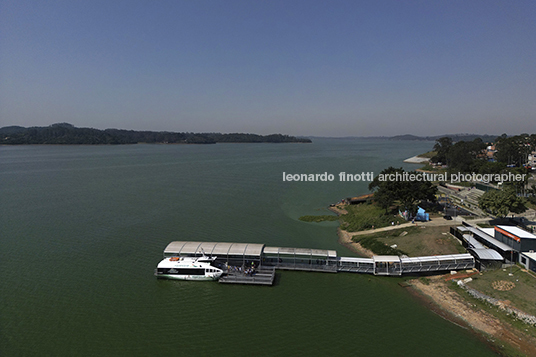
(422,215)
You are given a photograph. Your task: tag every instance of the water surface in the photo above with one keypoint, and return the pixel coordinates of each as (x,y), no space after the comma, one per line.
(83,227)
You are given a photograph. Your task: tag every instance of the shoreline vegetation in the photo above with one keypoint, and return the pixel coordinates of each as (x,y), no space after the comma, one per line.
(368,230)
(67,134)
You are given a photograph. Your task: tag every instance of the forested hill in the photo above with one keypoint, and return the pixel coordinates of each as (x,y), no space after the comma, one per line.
(64,133)
(455,137)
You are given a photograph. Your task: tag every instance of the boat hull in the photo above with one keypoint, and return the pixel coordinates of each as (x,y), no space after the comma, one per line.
(189,277)
(188,268)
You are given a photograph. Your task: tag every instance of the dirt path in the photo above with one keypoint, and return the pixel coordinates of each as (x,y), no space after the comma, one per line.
(434,223)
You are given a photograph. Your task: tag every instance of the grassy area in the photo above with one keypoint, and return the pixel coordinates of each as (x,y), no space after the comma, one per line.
(420,241)
(360,217)
(428,155)
(371,243)
(521,296)
(485,225)
(365,216)
(428,167)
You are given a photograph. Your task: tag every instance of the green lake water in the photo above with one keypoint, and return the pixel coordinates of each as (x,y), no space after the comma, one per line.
(83,227)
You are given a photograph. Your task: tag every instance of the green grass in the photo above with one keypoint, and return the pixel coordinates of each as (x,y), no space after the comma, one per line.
(428,167)
(428,155)
(377,247)
(419,241)
(360,217)
(371,242)
(424,280)
(484,225)
(365,216)
(522,296)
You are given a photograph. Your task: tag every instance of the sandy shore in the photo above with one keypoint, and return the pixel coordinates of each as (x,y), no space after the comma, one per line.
(345,239)
(416,160)
(338,209)
(453,307)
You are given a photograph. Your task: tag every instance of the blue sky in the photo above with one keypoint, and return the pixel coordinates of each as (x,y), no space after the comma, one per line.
(326,68)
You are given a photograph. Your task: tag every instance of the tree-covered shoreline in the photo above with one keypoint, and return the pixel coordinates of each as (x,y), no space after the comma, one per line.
(67,134)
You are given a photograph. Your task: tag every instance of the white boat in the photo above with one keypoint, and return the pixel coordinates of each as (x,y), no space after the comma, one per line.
(188,268)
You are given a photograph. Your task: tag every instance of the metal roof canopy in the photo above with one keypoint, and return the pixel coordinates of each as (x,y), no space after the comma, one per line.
(488,231)
(473,242)
(175,247)
(271,250)
(436,258)
(356,260)
(301,251)
(213,248)
(221,249)
(237,249)
(489,239)
(486,254)
(386,259)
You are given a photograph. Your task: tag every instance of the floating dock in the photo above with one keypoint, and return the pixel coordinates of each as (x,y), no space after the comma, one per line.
(262,276)
(237,257)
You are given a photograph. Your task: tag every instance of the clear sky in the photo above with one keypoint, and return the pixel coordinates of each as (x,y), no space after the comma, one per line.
(325,68)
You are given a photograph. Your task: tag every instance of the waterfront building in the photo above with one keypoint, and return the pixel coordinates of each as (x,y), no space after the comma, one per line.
(528,260)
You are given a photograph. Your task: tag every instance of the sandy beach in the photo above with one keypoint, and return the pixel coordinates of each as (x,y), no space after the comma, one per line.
(345,239)
(416,160)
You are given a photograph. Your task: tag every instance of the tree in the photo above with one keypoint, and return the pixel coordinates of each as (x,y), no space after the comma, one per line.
(463,155)
(442,148)
(531,194)
(500,203)
(383,194)
(513,150)
(408,193)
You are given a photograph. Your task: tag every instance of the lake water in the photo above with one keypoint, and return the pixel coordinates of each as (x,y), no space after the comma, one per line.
(83,227)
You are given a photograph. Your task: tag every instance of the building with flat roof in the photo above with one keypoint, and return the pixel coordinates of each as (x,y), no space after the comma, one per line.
(515,237)
(483,236)
(528,260)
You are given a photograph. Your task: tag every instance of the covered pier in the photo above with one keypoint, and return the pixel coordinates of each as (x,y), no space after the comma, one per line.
(300,259)
(228,253)
(446,262)
(253,263)
(355,265)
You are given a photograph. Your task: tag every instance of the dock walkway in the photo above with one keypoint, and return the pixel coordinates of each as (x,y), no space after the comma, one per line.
(239,259)
(262,276)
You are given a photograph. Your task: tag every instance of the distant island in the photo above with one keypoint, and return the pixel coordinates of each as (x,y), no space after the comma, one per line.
(68,134)
(410,137)
(455,137)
